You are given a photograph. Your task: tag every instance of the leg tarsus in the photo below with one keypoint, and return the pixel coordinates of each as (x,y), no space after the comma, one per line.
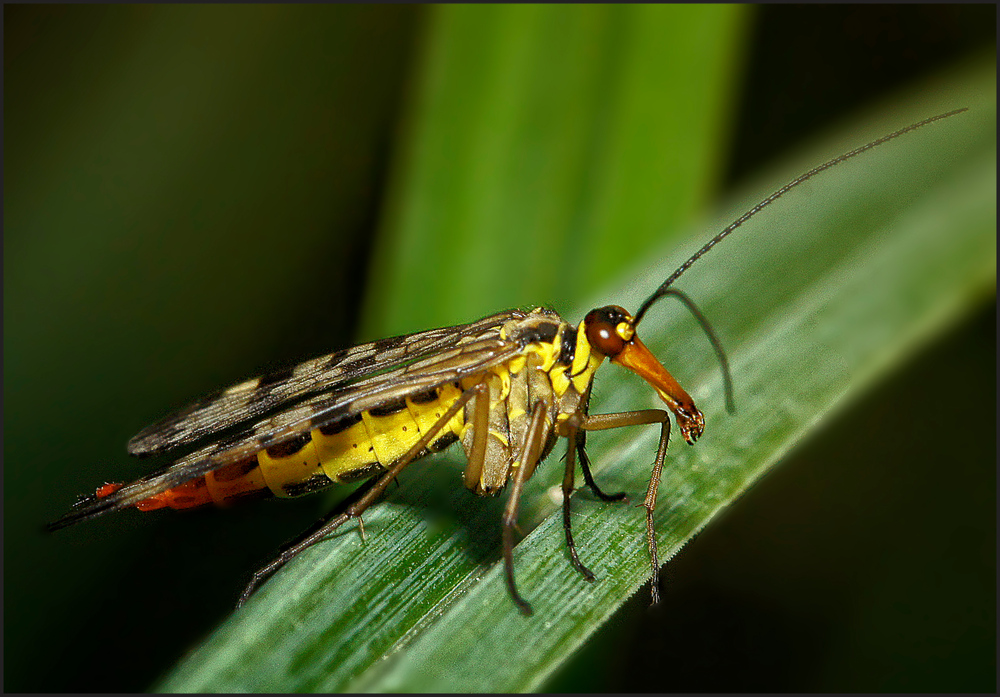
(650,504)
(573,444)
(588,477)
(654,581)
(508,564)
(528,456)
(573,557)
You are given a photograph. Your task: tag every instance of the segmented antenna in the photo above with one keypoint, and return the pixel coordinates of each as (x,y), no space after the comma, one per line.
(662,290)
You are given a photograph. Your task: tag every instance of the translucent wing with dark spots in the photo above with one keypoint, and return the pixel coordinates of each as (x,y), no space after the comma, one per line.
(468,356)
(256,397)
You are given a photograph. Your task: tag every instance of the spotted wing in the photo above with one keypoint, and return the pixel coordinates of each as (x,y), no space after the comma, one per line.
(470,356)
(254,398)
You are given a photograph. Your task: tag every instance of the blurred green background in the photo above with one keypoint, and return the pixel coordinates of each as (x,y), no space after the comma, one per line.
(191,197)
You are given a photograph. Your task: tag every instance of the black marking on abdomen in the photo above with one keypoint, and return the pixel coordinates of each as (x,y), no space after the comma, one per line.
(393,406)
(289,447)
(364,472)
(248,495)
(236,470)
(339,424)
(314,483)
(424,397)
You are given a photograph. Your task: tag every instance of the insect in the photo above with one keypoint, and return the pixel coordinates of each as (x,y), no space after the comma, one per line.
(507,386)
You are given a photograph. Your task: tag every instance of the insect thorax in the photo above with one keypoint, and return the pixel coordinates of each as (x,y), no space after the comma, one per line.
(554,368)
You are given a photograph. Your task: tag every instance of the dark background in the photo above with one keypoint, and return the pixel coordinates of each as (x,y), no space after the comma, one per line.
(832,605)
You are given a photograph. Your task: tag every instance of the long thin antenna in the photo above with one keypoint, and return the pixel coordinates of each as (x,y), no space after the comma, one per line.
(774,197)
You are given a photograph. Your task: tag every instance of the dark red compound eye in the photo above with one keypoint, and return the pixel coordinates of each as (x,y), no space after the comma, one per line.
(601,327)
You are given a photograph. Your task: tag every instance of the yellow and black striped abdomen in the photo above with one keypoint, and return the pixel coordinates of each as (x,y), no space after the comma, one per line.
(346,450)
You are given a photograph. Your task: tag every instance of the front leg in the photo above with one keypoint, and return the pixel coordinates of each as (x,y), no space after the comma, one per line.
(600,422)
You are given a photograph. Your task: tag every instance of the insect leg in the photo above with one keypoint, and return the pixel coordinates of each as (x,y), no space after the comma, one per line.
(588,477)
(480,431)
(367,498)
(600,422)
(573,443)
(530,452)
(311,537)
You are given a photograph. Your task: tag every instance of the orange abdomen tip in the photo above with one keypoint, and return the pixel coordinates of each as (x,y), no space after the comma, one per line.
(107,490)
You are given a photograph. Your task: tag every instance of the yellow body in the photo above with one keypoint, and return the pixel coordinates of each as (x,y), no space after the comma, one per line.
(369,443)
